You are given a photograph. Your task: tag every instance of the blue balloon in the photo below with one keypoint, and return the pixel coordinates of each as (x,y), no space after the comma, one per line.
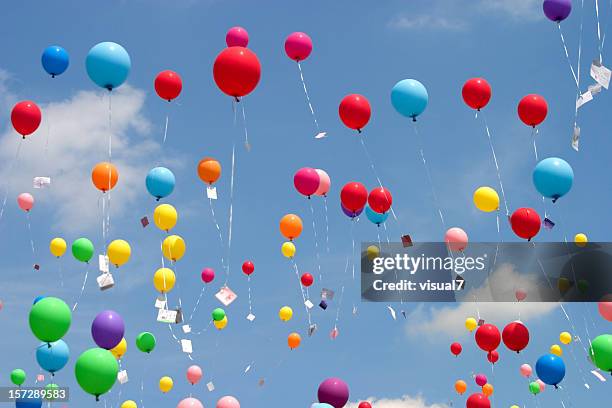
(55,60)
(28,403)
(374,217)
(160,182)
(553,178)
(108,65)
(550,369)
(409,97)
(321,405)
(53,356)
(350,213)
(38,299)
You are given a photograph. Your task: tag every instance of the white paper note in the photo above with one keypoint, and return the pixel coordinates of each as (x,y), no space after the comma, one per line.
(250,317)
(584,98)
(122,377)
(601,74)
(321,135)
(186,328)
(392,311)
(160,302)
(186,346)
(211,192)
(308,304)
(576,138)
(41,182)
(210,386)
(103,263)
(166,316)
(105,281)
(226,296)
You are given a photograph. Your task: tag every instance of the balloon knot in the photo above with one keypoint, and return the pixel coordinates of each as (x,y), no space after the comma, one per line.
(555,198)
(414,118)
(109,87)
(309,197)
(157,199)
(52,75)
(358,130)
(23,137)
(237,99)
(97,397)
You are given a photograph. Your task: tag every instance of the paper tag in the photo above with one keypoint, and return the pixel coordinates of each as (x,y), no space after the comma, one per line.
(210,386)
(186,346)
(321,135)
(584,98)
(250,317)
(144,221)
(308,304)
(160,302)
(226,296)
(105,281)
(186,328)
(166,316)
(211,192)
(41,182)
(601,74)
(594,89)
(392,311)
(354,310)
(576,138)
(122,377)
(103,263)
(312,329)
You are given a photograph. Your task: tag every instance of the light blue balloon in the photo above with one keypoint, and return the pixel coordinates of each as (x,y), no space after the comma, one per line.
(53,356)
(55,60)
(550,369)
(321,405)
(160,182)
(38,299)
(553,177)
(374,217)
(409,97)
(28,403)
(108,65)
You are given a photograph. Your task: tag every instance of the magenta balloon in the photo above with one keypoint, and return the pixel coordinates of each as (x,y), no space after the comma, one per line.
(306,181)
(324,183)
(228,402)
(334,392)
(298,46)
(190,403)
(481,379)
(208,274)
(237,37)
(557,10)
(350,213)
(107,329)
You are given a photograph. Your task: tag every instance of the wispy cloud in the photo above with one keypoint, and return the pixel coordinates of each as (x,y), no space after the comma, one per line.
(517,9)
(426,21)
(405,401)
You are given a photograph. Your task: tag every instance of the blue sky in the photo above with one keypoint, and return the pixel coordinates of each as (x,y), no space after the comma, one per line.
(357,49)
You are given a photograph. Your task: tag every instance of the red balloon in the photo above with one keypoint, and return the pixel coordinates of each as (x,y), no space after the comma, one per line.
(493,356)
(168,85)
(354,196)
(478,400)
(525,223)
(364,404)
(307,279)
(476,93)
(532,109)
(26,117)
(237,71)
(515,336)
(380,200)
(248,267)
(456,348)
(355,111)
(488,337)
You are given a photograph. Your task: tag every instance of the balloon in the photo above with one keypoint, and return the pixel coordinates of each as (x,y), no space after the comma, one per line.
(26,118)
(409,97)
(605,310)
(50,319)
(165,217)
(556,350)
(18,376)
(557,10)
(194,374)
(145,342)
(307,279)
(478,401)
(119,252)
(456,348)
(324,183)
(534,388)
(25,201)
(107,329)
(493,356)
(565,338)
(480,379)
(285,313)
(354,196)
(38,299)
(471,324)
(375,217)
(53,356)
(288,249)
(173,247)
(55,60)
(553,178)
(209,170)
(476,93)
(129,404)
(291,226)
(460,386)
(104,176)
(298,46)
(237,71)
(532,110)
(456,239)
(526,370)
(486,199)
(541,385)
(525,223)
(515,336)
(364,404)
(190,403)
(228,402)
(355,111)
(218,314)
(57,247)
(108,65)
(550,369)
(168,85)
(487,390)
(487,337)
(333,391)
(306,181)
(580,240)
(220,324)
(294,340)
(351,214)
(380,200)
(601,352)
(96,371)
(164,279)
(373,252)
(237,37)
(120,349)
(160,182)
(520,294)
(208,274)
(82,249)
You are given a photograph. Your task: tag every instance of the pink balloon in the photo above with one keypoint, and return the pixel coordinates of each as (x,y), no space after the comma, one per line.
(194,374)
(208,274)
(298,46)
(541,384)
(324,183)
(526,370)
(456,238)
(521,294)
(605,309)
(190,403)
(237,37)
(481,379)
(306,181)
(228,402)
(25,201)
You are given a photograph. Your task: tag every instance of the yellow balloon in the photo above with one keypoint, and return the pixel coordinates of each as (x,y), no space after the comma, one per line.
(580,240)
(120,349)
(164,279)
(165,384)
(565,338)
(486,199)
(515,406)
(173,247)
(373,252)
(165,217)
(556,350)
(129,404)
(285,313)
(119,252)
(57,246)
(471,324)
(288,249)
(220,324)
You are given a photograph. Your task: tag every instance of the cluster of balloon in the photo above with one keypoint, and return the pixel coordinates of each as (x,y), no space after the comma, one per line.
(550,369)
(333,391)
(160,182)
(290,227)
(353,198)
(553,178)
(456,239)
(525,223)
(309,181)
(379,203)
(55,60)
(26,118)
(488,337)
(219,318)
(236,69)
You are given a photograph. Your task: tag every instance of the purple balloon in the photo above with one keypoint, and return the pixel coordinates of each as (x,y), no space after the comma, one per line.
(107,329)
(334,392)
(557,10)
(350,213)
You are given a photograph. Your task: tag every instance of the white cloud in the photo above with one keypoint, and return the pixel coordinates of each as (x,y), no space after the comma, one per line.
(404,402)
(518,9)
(426,21)
(7,98)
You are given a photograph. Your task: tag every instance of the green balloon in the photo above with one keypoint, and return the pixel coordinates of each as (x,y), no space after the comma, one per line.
(534,388)
(218,314)
(50,319)
(49,389)
(601,352)
(145,342)
(96,371)
(18,376)
(82,249)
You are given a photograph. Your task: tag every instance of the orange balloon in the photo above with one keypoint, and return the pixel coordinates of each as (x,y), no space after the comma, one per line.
(291,226)
(104,176)
(294,340)
(460,386)
(487,389)
(209,170)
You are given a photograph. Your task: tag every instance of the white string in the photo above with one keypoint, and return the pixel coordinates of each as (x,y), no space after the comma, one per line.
(30,234)
(214,218)
(250,301)
(353,222)
(534,132)
(339,308)
(599,44)
(314,117)
(569,61)
(297,275)
(165,130)
(365,149)
(197,302)
(326,223)
(247,145)
(316,239)
(110,129)
(499,178)
(82,288)
(10,177)
(231,212)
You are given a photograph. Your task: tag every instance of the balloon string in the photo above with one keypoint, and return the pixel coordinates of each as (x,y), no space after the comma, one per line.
(82,288)
(603,38)
(499,178)
(61,274)
(297,275)
(534,134)
(247,145)
(569,61)
(599,44)
(231,213)
(312,112)
(110,132)
(387,234)
(214,218)
(353,222)
(250,301)
(10,178)
(30,235)
(165,129)
(316,239)
(197,302)
(338,309)
(326,223)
